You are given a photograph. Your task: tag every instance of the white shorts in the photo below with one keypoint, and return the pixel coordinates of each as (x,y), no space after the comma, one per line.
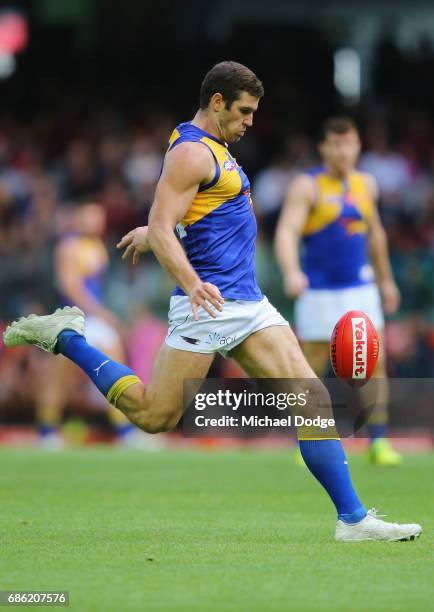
(318,310)
(100,334)
(233,324)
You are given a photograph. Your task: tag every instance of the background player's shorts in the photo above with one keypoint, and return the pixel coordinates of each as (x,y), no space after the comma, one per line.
(318,310)
(100,334)
(233,324)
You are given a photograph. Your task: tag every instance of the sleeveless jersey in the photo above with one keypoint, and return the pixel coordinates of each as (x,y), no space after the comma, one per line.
(218,231)
(335,234)
(91,259)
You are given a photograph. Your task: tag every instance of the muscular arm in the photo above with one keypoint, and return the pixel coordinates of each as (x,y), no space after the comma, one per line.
(379,255)
(185,168)
(299,200)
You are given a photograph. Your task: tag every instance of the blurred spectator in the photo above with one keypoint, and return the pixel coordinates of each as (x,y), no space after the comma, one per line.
(112,151)
(79,174)
(271,183)
(390,168)
(123,211)
(14,187)
(143,167)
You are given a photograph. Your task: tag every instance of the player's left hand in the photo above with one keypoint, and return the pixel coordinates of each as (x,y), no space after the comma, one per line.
(390,296)
(136,242)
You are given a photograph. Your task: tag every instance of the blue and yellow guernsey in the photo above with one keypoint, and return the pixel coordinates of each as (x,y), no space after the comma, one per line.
(218,231)
(91,259)
(335,253)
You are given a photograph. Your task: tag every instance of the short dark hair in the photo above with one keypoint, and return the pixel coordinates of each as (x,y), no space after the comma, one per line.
(229,79)
(339,124)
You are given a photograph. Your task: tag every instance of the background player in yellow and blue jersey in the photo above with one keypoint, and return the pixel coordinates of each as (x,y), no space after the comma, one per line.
(80,264)
(218,305)
(330,215)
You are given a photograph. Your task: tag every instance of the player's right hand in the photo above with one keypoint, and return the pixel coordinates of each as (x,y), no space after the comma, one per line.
(207,296)
(295,283)
(136,242)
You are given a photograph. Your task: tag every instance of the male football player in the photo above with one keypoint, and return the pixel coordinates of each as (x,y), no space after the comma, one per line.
(205,194)
(345,264)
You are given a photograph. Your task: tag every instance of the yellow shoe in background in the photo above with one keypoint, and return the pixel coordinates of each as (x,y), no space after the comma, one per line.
(381,453)
(298,458)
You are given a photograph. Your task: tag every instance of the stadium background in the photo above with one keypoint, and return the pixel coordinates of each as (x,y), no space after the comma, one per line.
(87,103)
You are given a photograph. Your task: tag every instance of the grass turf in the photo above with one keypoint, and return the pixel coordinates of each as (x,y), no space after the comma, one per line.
(201,531)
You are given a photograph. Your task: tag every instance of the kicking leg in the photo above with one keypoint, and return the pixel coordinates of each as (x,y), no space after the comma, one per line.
(380,450)
(317,355)
(275,353)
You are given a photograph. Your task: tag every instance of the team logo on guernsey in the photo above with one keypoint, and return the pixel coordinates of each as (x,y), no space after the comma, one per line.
(229,164)
(359,347)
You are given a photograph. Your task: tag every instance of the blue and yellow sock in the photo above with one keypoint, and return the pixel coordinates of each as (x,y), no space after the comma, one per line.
(110,377)
(46,430)
(376,430)
(326,460)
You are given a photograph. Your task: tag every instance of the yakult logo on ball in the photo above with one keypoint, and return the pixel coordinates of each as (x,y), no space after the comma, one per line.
(359,347)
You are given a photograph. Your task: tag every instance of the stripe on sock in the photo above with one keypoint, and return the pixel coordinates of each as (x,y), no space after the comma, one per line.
(120,386)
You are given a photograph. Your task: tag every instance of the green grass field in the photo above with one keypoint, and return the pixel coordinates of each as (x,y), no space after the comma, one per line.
(207,531)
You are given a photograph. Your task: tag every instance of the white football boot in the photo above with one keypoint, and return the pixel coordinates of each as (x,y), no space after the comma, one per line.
(373,528)
(43,331)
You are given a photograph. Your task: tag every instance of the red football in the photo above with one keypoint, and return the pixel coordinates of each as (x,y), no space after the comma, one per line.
(354,348)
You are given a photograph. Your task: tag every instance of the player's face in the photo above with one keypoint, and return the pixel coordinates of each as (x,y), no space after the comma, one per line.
(341,151)
(233,122)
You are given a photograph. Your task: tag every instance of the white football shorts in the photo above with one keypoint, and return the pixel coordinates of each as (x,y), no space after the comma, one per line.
(318,310)
(233,324)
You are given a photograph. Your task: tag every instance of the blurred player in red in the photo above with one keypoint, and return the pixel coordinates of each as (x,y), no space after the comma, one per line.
(345,263)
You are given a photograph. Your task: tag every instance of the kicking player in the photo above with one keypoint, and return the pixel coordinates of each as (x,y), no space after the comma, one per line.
(205,194)
(345,260)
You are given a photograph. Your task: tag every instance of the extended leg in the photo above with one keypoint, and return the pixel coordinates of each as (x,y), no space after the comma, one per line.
(317,355)
(380,450)
(158,407)
(275,353)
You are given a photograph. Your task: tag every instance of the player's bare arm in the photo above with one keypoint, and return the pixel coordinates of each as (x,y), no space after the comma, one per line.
(185,168)
(379,255)
(299,201)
